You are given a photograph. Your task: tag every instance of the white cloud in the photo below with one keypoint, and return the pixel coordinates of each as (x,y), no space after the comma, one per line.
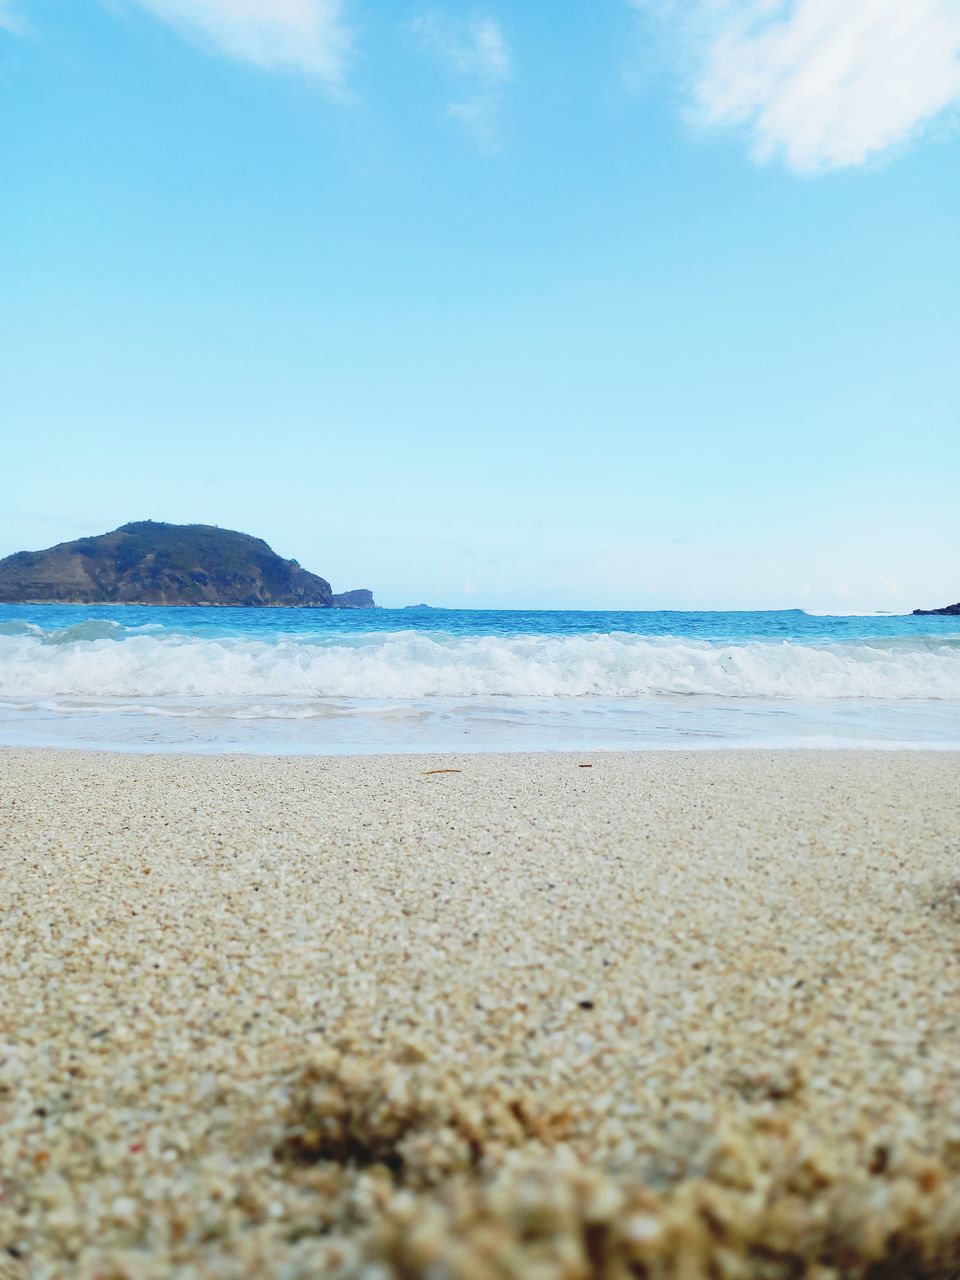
(309,36)
(823,84)
(476,53)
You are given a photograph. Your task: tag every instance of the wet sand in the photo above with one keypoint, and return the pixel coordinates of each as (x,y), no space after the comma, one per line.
(672,1015)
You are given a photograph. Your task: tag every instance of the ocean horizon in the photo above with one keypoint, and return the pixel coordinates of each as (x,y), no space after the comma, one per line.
(341,681)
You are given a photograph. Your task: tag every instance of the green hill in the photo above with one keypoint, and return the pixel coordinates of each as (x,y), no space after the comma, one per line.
(147,562)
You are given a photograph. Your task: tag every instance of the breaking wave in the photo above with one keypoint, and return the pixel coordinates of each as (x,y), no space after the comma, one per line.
(103,659)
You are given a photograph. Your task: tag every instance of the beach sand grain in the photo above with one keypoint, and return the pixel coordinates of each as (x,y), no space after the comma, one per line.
(678,1015)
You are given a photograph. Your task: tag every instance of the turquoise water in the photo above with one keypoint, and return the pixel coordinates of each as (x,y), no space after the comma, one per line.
(289,680)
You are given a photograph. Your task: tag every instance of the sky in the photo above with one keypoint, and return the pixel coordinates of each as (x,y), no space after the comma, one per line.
(600,304)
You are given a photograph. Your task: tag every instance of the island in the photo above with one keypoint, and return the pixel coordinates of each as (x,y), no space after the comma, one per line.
(359,598)
(948,611)
(152,563)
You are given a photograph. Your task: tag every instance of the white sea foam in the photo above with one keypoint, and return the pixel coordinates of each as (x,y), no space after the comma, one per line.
(97,660)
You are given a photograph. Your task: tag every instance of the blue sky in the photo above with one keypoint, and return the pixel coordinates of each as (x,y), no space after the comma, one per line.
(600,304)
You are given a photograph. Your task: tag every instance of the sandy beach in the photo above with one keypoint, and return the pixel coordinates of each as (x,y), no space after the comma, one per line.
(657,1015)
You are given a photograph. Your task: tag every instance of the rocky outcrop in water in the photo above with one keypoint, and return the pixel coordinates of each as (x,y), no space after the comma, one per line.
(359,599)
(948,611)
(152,563)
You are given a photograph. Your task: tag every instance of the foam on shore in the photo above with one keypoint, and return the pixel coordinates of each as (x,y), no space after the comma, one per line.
(674,1014)
(106,659)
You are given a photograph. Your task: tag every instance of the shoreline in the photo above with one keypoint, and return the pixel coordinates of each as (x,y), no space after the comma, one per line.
(309,1015)
(489,725)
(216,752)
(183,604)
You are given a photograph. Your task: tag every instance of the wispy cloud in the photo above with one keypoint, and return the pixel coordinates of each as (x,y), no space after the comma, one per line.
(477,55)
(822,84)
(10,19)
(307,36)
(477,48)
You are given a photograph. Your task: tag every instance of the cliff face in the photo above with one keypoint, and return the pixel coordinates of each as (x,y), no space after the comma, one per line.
(169,564)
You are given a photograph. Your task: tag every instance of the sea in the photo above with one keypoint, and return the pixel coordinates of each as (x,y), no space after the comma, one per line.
(305,681)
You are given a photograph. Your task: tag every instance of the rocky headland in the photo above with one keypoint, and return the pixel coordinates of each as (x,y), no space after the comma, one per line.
(948,611)
(152,563)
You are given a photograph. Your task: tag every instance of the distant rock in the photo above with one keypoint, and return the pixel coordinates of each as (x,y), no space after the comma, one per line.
(948,611)
(361,598)
(152,563)
(418,606)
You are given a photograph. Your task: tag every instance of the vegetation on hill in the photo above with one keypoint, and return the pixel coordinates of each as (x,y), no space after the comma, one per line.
(149,562)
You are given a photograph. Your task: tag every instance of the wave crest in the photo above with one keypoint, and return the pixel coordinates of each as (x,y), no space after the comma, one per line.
(92,662)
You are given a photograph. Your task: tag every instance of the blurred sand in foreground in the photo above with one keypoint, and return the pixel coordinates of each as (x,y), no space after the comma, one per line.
(676,1015)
